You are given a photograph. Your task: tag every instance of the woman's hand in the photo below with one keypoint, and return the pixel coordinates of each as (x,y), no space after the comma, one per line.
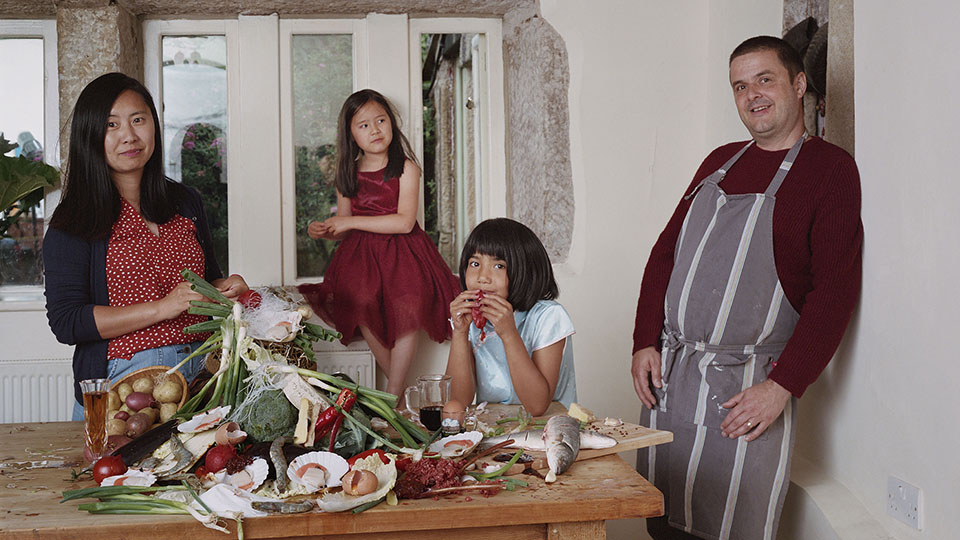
(461,311)
(500,313)
(232,286)
(177,301)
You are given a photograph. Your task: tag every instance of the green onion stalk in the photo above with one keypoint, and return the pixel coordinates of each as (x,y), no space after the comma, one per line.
(377,401)
(132,500)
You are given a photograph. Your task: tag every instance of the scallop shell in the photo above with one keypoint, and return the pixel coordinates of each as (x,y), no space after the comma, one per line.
(230,433)
(333,465)
(132,477)
(205,421)
(249,479)
(460,444)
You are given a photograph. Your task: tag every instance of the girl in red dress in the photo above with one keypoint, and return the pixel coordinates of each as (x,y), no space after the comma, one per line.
(386,278)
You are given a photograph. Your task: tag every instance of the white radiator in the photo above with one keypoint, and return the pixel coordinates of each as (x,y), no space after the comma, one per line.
(355,360)
(36,390)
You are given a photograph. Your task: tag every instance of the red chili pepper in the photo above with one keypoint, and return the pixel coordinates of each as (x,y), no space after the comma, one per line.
(328,417)
(368,453)
(478,319)
(345,400)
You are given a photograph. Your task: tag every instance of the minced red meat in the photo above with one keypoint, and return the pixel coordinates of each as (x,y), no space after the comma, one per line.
(427,474)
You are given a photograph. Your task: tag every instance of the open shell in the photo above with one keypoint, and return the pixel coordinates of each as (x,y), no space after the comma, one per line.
(303,470)
(249,479)
(132,477)
(460,444)
(230,433)
(205,421)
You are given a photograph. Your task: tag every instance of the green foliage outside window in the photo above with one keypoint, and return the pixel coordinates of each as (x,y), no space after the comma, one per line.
(202,157)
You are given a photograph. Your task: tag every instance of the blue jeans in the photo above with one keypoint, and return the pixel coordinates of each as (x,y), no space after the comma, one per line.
(168,355)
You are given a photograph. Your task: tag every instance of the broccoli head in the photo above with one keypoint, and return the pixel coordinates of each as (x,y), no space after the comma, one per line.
(271,416)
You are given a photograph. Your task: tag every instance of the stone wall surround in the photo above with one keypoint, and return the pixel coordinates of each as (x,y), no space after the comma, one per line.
(97,36)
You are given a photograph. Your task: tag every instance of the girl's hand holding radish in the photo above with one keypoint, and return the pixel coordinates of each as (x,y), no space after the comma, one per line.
(460,312)
(337,225)
(500,314)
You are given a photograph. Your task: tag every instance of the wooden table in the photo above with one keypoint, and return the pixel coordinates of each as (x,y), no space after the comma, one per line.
(36,459)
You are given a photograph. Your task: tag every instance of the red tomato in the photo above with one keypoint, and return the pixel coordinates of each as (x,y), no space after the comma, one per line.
(249,299)
(108,466)
(218,456)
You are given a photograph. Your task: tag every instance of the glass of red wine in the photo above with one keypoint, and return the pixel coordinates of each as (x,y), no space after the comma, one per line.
(432,393)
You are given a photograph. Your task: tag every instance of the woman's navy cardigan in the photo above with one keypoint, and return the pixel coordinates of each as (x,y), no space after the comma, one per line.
(75,277)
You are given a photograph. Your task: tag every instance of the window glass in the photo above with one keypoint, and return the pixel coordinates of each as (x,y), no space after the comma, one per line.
(195,125)
(21,122)
(452,124)
(322,80)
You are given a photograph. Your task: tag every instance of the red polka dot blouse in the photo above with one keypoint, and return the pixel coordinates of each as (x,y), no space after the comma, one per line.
(143,267)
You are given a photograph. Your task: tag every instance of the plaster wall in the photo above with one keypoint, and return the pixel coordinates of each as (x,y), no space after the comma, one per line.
(886,404)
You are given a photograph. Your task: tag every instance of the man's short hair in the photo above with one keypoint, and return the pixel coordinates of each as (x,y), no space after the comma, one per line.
(788,56)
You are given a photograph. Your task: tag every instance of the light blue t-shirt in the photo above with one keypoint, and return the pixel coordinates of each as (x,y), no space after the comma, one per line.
(543,325)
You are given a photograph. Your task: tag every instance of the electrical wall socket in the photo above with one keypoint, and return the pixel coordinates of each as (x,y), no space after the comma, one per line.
(903,501)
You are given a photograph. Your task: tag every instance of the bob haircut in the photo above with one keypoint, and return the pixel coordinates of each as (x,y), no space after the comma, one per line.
(529,272)
(788,56)
(91,203)
(348,151)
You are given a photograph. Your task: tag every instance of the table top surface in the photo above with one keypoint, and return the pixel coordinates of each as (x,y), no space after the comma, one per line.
(36,461)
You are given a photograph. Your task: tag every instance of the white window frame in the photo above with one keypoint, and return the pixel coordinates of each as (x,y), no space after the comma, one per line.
(289,28)
(30,297)
(153,33)
(492,183)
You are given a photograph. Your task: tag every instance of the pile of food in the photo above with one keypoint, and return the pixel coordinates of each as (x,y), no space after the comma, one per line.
(266,435)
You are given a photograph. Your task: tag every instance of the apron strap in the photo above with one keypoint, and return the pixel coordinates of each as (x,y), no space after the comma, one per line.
(718,175)
(675,340)
(785,167)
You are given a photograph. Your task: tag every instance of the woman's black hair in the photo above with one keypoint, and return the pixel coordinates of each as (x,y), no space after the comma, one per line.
(90,203)
(529,272)
(347,150)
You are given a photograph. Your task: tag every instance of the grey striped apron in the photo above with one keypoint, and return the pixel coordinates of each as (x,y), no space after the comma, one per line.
(727,321)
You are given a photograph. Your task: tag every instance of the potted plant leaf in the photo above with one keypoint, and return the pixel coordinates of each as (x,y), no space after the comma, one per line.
(21,181)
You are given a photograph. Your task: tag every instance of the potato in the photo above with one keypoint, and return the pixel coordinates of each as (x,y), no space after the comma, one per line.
(116,426)
(127,409)
(151,414)
(113,401)
(167,410)
(167,392)
(124,390)
(143,384)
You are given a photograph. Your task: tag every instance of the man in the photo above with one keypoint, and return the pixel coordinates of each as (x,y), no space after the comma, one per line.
(744,300)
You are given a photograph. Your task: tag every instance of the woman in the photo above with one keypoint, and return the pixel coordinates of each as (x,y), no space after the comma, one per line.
(118,240)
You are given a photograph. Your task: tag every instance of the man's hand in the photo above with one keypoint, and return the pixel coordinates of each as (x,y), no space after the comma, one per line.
(753,410)
(646,368)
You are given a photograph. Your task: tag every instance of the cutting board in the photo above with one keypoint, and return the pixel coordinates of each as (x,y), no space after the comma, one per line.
(629,436)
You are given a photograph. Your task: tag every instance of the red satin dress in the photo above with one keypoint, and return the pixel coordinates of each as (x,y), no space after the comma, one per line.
(392,284)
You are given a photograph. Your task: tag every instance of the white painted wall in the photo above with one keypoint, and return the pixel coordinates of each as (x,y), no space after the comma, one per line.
(888,403)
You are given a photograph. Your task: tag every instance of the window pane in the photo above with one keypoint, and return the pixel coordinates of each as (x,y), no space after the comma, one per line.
(195,124)
(322,80)
(452,107)
(21,122)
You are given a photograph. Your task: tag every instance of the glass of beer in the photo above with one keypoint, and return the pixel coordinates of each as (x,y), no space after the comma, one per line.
(95,415)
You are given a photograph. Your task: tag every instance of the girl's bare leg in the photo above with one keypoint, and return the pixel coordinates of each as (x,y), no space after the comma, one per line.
(380,352)
(401,356)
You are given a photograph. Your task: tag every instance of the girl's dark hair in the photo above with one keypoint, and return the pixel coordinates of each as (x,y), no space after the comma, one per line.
(529,273)
(348,151)
(90,203)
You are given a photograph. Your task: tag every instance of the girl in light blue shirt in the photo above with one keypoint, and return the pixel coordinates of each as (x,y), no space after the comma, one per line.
(512,342)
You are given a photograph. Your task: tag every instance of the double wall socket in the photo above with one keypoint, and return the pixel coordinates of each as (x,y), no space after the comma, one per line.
(903,501)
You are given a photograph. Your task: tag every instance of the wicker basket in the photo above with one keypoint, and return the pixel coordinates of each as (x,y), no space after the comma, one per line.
(154,371)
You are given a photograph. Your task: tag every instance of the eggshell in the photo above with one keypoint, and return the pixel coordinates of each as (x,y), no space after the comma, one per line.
(455,410)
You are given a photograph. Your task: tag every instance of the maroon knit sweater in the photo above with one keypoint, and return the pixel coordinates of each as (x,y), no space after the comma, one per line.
(817,238)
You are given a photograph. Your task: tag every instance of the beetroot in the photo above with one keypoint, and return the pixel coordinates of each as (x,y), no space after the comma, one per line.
(219,456)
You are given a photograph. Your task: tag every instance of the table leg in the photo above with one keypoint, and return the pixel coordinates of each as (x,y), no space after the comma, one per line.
(577,530)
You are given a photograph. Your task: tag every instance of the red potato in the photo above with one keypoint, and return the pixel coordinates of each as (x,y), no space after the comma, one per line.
(138,400)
